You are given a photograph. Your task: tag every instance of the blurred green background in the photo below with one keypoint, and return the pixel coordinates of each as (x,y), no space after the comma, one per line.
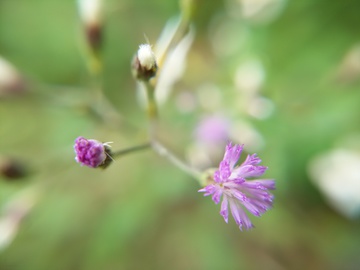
(142,212)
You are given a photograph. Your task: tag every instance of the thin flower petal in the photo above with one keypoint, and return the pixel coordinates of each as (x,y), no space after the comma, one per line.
(209,190)
(232,154)
(240,217)
(251,160)
(217,195)
(217,177)
(260,184)
(224,209)
(224,170)
(249,171)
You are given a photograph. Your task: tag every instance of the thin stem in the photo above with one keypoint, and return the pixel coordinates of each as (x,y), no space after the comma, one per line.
(163,151)
(130,150)
(152,110)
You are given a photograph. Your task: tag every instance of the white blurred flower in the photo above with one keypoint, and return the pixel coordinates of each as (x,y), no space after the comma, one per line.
(337,175)
(90,11)
(186,102)
(260,107)
(209,96)
(250,76)
(260,11)
(349,69)
(11,82)
(224,41)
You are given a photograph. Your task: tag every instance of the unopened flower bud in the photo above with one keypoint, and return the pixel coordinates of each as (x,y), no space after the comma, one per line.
(144,63)
(12,169)
(11,82)
(91,15)
(92,153)
(12,214)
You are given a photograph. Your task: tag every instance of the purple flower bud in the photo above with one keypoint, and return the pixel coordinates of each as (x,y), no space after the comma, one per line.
(92,153)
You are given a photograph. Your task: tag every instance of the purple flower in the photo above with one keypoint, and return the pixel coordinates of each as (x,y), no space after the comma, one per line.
(237,192)
(212,129)
(91,153)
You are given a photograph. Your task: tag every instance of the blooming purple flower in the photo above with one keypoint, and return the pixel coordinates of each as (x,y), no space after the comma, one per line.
(91,153)
(237,192)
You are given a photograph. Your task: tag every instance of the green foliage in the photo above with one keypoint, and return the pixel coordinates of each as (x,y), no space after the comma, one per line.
(142,213)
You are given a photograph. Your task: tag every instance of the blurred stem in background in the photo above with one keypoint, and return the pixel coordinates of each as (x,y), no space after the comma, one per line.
(91,15)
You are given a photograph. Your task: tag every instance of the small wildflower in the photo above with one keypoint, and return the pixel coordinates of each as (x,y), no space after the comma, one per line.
(92,153)
(230,182)
(144,63)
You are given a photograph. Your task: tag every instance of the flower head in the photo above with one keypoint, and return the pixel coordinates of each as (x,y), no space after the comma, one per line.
(230,183)
(90,12)
(144,64)
(92,153)
(146,56)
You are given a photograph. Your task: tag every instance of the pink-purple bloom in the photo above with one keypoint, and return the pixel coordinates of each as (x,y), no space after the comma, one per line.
(91,153)
(230,183)
(212,129)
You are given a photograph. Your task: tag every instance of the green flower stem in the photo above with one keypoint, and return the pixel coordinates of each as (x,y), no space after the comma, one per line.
(163,151)
(130,150)
(152,110)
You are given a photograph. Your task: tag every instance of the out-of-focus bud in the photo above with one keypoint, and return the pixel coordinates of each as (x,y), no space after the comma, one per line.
(349,69)
(256,11)
(91,16)
(13,213)
(11,82)
(144,64)
(11,169)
